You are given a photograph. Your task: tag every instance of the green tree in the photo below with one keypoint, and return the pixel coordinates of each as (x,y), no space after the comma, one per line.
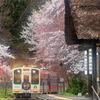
(14,15)
(77,84)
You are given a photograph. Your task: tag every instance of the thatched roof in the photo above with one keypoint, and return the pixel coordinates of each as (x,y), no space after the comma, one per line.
(85,17)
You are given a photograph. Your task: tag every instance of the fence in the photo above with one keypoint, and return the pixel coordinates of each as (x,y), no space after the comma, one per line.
(61,87)
(4,87)
(94,95)
(5,84)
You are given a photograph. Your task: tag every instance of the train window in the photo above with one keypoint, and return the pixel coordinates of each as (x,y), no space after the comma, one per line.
(26,78)
(34,76)
(17,76)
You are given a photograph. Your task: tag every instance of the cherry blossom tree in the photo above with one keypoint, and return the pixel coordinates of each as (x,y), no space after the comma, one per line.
(4,51)
(5,74)
(5,70)
(49,38)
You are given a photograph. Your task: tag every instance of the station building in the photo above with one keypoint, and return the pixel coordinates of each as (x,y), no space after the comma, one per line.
(82,27)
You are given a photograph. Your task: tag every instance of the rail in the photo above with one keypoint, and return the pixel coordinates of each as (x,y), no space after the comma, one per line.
(95,93)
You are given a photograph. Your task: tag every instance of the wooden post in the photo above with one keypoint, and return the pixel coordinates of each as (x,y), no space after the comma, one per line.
(89,75)
(94,69)
(63,86)
(43,87)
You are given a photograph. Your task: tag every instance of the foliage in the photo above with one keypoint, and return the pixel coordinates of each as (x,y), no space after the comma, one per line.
(4,51)
(40,31)
(69,94)
(48,24)
(13,15)
(77,84)
(2,92)
(5,70)
(6,98)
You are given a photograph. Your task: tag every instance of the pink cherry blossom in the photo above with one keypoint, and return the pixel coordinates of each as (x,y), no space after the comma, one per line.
(48,24)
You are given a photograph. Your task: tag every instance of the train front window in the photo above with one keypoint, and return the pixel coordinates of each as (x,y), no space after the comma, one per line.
(26,78)
(17,76)
(34,76)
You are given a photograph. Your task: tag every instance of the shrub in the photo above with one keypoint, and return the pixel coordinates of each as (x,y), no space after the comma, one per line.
(77,84)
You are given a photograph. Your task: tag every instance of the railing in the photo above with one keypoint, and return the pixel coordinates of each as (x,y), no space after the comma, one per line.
(95,93)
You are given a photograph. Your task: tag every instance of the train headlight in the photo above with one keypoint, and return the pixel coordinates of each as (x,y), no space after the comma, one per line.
(18,71)
(34,71)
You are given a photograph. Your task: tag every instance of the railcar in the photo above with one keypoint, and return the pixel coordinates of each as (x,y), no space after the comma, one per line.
(27,81)
(49,82)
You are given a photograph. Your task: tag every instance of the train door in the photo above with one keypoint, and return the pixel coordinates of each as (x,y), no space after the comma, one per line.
(26,78)
(26,83)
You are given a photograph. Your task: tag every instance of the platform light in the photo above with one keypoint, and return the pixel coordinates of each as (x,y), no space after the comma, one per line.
(97,54)
(86,72)
(85,62)
(90,71)
(90,58)
(90,50)
(90,61)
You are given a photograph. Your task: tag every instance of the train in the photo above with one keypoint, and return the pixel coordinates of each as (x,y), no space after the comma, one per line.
(27,81)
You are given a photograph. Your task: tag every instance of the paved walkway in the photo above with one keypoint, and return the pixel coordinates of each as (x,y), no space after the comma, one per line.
(59,97)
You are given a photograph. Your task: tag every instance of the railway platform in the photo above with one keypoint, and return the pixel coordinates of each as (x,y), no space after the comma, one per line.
(59,97)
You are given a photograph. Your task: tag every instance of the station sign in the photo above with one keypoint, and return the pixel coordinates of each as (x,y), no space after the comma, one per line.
(61,79)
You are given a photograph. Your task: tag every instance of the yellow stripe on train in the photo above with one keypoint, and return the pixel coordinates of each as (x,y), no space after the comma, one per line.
(17,90)
(35,90)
